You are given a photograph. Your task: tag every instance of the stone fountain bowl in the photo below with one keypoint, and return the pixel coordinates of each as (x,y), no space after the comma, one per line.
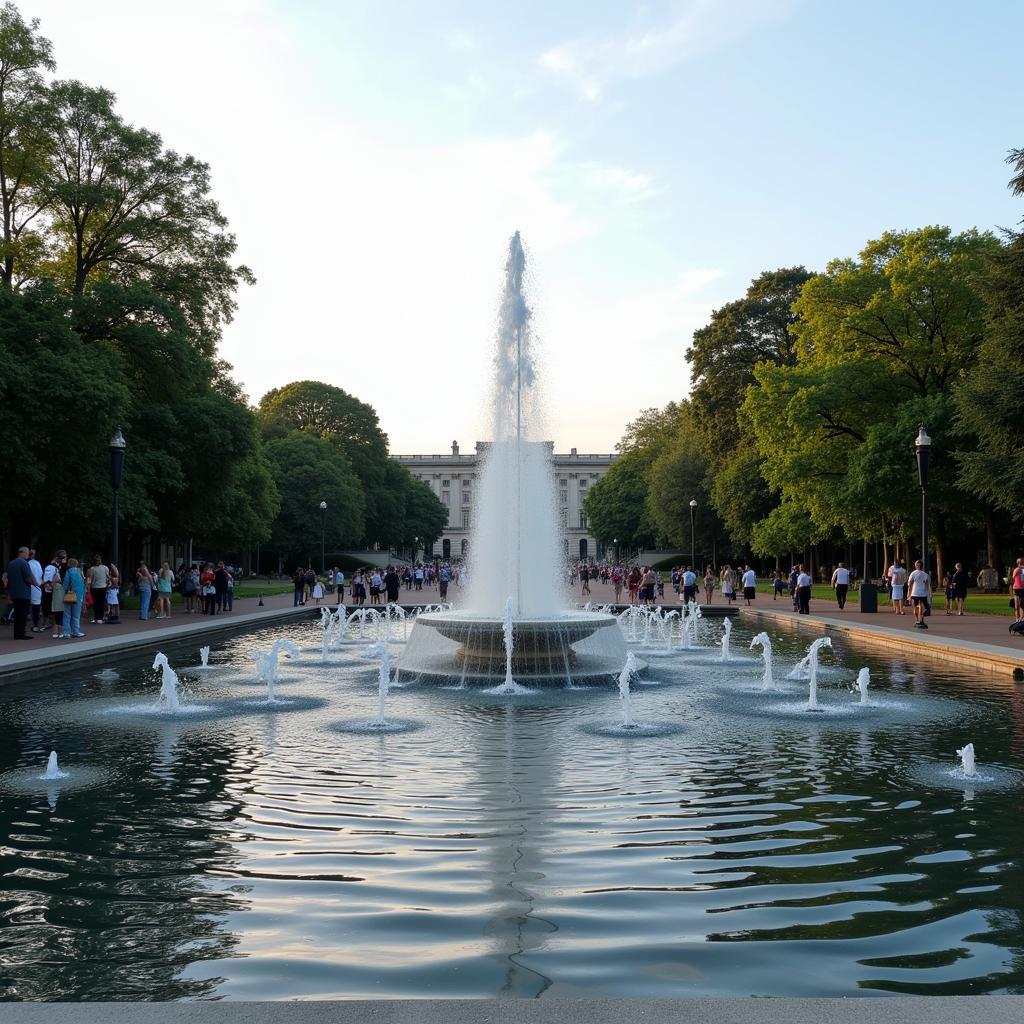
(545,648)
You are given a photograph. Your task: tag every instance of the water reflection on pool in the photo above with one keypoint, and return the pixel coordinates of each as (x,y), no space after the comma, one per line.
(505,846)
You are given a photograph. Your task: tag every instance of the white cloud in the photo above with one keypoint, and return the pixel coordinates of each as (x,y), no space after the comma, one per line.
(588,64)
(625,185)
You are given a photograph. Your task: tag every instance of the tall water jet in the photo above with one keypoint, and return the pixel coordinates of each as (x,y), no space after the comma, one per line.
(812,663)
(725,640)
(863,682)
(967,761)
(762,639)
(515,548)
(168,683)
(625,676)
(381,651)
(52,773)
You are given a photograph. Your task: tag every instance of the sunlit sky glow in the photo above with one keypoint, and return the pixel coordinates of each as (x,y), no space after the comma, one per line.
(373,159)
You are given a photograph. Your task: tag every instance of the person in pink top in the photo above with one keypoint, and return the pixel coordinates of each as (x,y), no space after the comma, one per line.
(1017,583)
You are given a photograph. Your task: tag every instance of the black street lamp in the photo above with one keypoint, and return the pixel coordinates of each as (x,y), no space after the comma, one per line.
(923,449)
(323,536)
(117,447)
(615,546)
(693,531)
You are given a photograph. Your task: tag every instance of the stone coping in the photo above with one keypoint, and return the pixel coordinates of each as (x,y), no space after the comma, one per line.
(990,657)
(876,1009)
(55,657)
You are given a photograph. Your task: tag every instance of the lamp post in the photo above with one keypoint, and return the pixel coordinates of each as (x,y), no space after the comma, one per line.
(323,537)
(615,548)
(117,447)
(693,531)
(923,449)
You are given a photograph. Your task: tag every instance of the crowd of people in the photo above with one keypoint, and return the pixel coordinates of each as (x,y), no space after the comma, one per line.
(379,585)
(62,595)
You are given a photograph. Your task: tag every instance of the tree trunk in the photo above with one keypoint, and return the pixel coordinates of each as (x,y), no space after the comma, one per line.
(865,574)
(992,539)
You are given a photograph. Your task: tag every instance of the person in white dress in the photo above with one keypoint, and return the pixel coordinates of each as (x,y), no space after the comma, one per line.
(898,583)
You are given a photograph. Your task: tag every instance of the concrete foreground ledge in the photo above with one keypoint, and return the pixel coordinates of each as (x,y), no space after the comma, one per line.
(856,1010)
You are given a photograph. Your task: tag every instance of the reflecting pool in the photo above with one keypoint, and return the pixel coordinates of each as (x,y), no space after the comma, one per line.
(505,845)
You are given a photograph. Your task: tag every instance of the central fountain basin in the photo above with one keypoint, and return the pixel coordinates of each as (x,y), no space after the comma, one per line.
(546,650)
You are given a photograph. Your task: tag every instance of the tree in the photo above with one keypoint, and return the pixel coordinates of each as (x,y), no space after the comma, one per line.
(307,470)
(741,335)
(616,506)
(24,142)
(425,514)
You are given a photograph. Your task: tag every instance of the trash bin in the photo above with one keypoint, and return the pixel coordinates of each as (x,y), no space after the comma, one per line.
(868,597)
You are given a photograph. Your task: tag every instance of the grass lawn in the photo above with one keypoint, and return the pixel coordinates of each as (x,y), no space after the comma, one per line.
(976,603)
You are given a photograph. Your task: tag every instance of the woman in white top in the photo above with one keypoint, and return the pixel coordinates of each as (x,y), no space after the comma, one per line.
(898,580)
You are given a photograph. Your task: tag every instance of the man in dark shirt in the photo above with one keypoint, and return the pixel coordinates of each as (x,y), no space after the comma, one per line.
(20,581)
(960,581)
(391,584)
(220,586)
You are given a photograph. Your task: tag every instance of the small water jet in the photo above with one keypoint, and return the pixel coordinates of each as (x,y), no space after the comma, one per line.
(863,682)
(725,640)
(768,682)
(627,673)
(509,686)
(267,663)
(968,764)
(168,683)
(812,663)
(204,657)
(53,772)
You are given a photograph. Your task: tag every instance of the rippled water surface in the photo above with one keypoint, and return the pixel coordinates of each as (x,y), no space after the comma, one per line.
(504,847)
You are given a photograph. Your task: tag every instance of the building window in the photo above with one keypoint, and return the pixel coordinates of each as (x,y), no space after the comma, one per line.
(583,483)
(583,520)
(465,518)
(445,483)
(563,497)
(465,497)
(565,517)
(446,496)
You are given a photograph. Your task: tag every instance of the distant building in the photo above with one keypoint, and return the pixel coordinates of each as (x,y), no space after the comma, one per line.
(453,478)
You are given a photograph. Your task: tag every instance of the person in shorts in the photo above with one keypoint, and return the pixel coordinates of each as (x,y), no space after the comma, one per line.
(898,584)
(1017,583)
(749,584)
(920,583)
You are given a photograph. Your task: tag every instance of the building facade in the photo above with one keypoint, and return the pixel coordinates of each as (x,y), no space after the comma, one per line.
(453,479)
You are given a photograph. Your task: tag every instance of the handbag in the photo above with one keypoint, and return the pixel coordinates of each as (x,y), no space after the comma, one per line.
(57,593)
(70,597)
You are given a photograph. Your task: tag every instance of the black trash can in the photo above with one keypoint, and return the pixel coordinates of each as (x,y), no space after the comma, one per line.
(868,597)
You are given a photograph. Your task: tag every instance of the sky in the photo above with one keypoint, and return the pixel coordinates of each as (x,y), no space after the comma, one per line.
(373,159)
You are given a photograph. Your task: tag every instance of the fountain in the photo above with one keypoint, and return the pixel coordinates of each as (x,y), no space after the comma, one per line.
(53,773)
(204,657)
(812,663)
(516,546)
(725,640)
(967,762)
(168,683)
(765,643)
(625,676)
(863,682)
(267,664)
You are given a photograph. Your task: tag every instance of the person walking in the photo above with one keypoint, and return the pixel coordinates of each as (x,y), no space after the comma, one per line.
(841,584)
(803,591)
(37,592)
(339,585)
(164,586)
(709,584)
(443,579)
(727,588)
(920,583)
(190,588)
(359,588)
(98,579)
(113,596)
(960,581)
(392,584)
(749,584)
(222,587)
(898,586)
(584,580)
(689,583)
(74,599)
(20,581)
(298,587)
(617,577)
(53,614)
(144,585)
(1017,584)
